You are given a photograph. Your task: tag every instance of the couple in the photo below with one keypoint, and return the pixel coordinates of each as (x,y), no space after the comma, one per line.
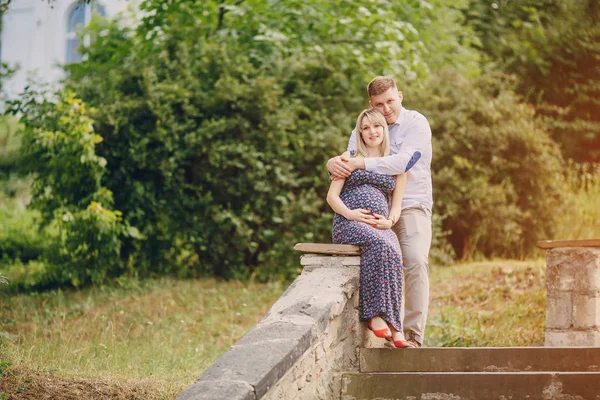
(381,193)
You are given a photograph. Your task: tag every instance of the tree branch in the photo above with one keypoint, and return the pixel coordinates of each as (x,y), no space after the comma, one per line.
(223,11)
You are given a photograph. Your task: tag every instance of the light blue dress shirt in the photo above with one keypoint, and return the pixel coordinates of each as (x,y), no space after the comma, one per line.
(410,150)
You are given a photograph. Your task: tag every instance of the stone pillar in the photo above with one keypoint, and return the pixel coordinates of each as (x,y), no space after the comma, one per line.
(573,296)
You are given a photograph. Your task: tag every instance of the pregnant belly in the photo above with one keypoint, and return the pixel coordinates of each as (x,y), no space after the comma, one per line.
(368,198)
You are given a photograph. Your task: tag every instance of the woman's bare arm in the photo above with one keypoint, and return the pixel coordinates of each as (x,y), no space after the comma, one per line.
(336,203)
(397,196)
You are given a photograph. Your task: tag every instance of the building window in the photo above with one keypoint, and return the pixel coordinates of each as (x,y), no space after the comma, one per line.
(80,16)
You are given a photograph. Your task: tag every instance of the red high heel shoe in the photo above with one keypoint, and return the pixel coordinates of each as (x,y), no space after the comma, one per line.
(400,343)
(384,333)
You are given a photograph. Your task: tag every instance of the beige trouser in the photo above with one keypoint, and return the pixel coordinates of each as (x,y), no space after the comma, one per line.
(414,233)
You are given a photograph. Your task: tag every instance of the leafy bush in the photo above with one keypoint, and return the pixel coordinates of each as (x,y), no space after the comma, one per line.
(58,145)
(217,121)
(21,239)
(229,167)
(553,46)
(497,175)
(20,236)
(210,126)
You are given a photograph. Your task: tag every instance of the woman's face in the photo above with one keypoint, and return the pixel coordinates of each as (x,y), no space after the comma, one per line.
(372,133)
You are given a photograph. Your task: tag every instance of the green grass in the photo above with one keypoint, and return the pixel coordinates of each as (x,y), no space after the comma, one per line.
(493,303)
(150,339)
(155,337)
(159,335)
(582,217)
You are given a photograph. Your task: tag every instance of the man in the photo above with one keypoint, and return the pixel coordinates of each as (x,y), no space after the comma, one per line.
(410,151)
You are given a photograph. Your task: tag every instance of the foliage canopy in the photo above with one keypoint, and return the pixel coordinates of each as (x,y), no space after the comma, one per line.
(553,46)
(195,141)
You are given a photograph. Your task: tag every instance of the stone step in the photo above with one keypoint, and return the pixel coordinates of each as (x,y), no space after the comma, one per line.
(481,359)
(471,386)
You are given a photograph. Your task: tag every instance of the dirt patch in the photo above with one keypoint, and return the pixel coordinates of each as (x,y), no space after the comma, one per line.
(18,383)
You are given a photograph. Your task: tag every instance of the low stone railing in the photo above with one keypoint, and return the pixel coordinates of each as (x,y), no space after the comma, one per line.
(573,292)
(300,348)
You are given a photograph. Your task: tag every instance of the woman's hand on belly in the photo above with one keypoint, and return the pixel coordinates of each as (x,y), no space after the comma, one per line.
(362,215)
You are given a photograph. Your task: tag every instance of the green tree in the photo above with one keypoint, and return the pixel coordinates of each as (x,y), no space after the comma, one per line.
(497,174)
(211,121)
(553,46)
(59,147)
(218,118)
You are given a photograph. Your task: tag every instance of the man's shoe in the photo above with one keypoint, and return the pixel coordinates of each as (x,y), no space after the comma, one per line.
(412,341)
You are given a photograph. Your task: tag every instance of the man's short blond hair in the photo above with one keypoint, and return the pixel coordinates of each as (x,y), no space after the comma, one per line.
(380,84)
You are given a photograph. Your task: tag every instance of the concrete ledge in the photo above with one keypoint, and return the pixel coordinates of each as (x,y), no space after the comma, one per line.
(481,359)
(551,244)
(298,350)
(473,385)
(328,248)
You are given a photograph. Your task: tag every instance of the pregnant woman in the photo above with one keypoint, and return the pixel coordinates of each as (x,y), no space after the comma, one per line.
(363,217)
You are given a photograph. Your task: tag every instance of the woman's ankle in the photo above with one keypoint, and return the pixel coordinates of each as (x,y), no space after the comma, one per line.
(379,322)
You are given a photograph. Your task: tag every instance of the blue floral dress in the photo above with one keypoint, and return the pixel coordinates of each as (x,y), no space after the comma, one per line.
(381,258)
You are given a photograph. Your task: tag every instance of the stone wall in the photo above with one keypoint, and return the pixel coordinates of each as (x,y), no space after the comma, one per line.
(299,349)
(573,296)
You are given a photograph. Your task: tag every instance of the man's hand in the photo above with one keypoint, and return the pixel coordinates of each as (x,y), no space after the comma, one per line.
(394,217)
(338,167)
(381,222)
(355,163)
(361,215)
(341,167)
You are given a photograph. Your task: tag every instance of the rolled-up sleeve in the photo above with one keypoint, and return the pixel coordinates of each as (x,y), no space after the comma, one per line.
(413,146)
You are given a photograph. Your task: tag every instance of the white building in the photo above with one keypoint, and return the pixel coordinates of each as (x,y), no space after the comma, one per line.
(40,36)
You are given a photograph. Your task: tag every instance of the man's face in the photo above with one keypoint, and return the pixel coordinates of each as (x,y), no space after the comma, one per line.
(389,103)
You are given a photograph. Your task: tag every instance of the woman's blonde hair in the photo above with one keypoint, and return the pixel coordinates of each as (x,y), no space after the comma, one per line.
(375,118)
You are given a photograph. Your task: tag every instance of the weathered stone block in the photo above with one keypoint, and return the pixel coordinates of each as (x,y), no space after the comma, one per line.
(329,261)
(559,310)
(560,278)
(569,338)
(351,261)
(314,376)
(573,302)
(356,301)
(573,269)
(319,352)
(311,259)
(586,310)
